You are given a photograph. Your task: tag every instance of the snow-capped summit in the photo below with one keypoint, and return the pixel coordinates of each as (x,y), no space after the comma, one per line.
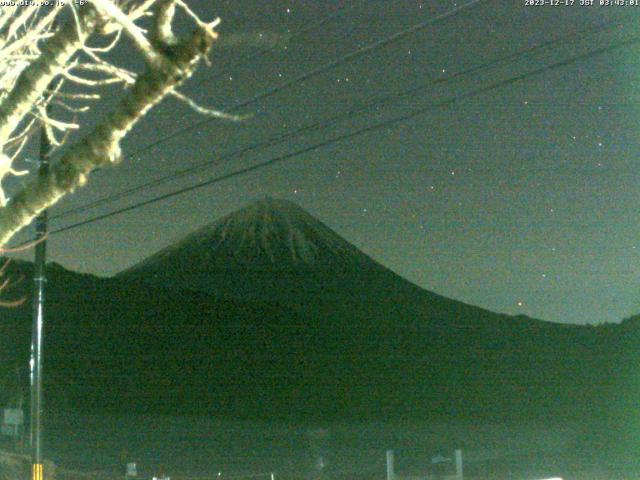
(266,240)
(278,232)
(266,232)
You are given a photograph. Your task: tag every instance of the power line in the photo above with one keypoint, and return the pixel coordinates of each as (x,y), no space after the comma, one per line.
(303,77)
(317,71)
(323,124)
(358,132)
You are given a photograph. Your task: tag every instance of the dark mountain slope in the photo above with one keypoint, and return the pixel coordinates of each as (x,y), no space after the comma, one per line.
(274,250)
(269,313)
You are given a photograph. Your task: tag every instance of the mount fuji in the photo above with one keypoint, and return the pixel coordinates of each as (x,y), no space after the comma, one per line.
(267,312)
(273,250)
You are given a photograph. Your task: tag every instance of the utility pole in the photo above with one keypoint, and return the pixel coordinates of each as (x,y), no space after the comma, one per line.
(37,333)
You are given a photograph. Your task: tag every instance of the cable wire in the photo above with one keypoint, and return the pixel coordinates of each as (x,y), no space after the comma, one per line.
(355,133)
(323,124)
(317,71)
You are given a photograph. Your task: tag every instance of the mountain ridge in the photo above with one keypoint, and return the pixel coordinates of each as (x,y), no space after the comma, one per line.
(307,342)
(253,253)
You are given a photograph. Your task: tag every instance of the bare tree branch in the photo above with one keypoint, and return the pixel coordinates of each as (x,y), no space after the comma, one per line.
(101,146)
(130,29)
(34,80)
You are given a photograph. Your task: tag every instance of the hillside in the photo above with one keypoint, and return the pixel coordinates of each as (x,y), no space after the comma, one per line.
(268,313)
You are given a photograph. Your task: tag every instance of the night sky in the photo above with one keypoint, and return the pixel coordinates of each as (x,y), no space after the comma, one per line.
(520,199)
